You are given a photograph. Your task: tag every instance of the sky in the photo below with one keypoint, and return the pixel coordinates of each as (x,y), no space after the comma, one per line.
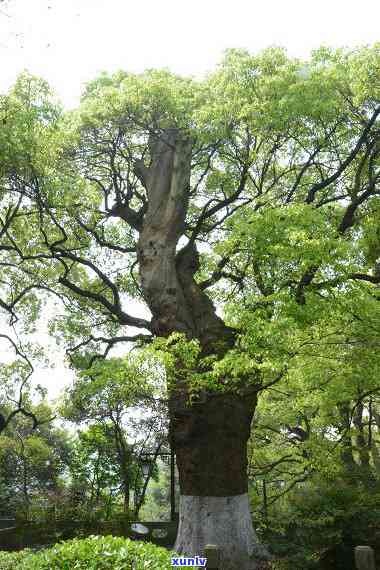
(68,42)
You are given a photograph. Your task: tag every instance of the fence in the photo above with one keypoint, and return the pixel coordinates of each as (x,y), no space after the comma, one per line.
(364,557)
(31,535)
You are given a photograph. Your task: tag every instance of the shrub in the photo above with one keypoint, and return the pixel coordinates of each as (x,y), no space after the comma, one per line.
(93,553)
(12,560)
(319,524)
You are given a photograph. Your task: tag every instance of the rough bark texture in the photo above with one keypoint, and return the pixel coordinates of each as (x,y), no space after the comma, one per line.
(210,436)
(210,439)
(167,181)
(167,277)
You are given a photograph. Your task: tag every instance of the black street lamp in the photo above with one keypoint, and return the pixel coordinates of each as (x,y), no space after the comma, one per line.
(145,467)
(145,464)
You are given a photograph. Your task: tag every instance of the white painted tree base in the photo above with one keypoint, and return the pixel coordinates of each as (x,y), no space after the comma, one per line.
(224,521)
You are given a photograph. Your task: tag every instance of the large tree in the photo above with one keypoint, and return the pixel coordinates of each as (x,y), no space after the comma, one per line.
(237,209)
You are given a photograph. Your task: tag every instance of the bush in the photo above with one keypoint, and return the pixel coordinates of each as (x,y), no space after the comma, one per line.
(318,525)
(12,560)
(93,553)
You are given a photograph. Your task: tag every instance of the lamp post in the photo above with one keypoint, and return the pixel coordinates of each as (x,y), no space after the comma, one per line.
(145,467)
(172,485)
(169,457)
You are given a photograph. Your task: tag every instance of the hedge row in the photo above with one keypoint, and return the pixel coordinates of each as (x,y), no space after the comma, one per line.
(92,553)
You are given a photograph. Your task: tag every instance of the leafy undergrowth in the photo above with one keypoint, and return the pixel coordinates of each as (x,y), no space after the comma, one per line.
(93,553)
(12,560)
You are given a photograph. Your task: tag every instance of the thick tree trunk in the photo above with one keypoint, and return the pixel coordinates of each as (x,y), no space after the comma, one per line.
(210,436)
(210,440)
(224,521)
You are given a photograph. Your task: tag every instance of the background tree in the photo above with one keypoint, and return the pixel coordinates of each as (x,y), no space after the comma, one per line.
(106,397)
(32,463)
(25,118)
(94,487)
(313,467)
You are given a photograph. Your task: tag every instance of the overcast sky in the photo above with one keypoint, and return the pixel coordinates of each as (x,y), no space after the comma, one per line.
(68,42)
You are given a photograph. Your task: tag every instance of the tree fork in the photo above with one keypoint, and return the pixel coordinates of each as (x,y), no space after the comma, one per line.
(209,437)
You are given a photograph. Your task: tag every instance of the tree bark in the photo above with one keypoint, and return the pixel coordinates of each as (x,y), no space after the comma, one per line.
(375,456)
(346,441)
(210,436)
(126,493)
(124,458)
(374,444)
(364,446)
(210,439)
(361,442)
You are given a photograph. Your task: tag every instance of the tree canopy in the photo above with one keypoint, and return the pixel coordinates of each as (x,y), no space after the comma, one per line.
(243,211)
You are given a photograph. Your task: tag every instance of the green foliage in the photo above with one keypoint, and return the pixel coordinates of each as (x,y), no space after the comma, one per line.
(13,560)
(94,475)
(104,462)
(32,463)
(322,492)
(284,204)
(106,385)
(93,553)
(322,520)
(28,116)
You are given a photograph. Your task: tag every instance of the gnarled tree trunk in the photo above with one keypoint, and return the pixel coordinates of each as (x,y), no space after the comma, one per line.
(210,436)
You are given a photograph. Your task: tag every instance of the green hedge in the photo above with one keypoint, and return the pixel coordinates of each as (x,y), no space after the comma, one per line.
(12,560)
(93,553)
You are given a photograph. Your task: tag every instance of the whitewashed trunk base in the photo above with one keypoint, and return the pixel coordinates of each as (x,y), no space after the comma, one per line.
(224,521)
